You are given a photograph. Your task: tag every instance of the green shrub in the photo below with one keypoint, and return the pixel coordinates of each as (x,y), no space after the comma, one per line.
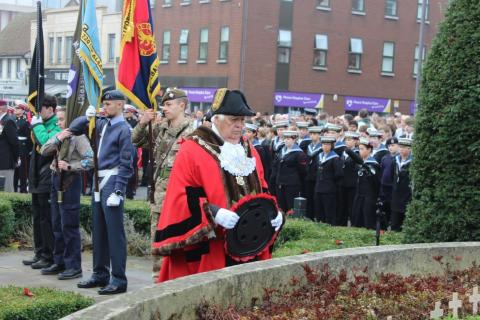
(138,211)
(299,236)
(6,221)
(446,167)
(46,304)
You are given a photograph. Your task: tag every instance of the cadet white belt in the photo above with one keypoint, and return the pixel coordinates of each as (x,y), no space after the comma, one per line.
(106,174)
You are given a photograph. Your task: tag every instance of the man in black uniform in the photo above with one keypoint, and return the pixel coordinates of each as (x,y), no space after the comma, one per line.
(23,129)
(313,150)
(329,175)
(291,171)
(402,192)
(349,181)
(276,148)
(251,132)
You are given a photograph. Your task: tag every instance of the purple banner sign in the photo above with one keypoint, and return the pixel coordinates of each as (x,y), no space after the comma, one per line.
(200,94)
(297,99)
(413,108)
(371,104)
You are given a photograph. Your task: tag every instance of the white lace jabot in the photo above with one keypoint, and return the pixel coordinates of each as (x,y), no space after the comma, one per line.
(234,159)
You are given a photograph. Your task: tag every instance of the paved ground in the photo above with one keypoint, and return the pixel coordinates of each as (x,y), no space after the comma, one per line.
(13,272)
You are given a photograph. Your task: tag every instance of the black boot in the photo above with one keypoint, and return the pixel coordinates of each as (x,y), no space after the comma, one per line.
(70,274)
(41,264)
(29,262)
(53,269)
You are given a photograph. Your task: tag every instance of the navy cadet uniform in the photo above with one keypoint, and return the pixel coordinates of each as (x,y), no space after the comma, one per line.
(402,192)
(339,149)
(290,175)
(381,151)
(349,182)
(262,151)
(304,142)
(114,169)
(276,149)
(368,186)
(386,182)
(313,150)
(329,175)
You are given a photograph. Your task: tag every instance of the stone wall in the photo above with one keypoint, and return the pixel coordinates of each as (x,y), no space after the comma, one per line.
(240,285)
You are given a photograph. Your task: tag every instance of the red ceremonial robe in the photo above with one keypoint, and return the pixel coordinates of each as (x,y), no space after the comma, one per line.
(187,236)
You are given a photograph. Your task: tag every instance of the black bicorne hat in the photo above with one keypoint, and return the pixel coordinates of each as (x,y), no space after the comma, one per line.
(231,102)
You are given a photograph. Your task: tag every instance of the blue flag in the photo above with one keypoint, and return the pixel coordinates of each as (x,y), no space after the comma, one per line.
(90,54)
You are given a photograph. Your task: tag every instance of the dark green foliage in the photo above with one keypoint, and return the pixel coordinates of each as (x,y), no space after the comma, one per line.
(21,204)
(6,221)
(446,167)
(46,304)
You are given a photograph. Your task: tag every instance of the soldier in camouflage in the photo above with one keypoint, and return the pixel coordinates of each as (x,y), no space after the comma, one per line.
(166,133)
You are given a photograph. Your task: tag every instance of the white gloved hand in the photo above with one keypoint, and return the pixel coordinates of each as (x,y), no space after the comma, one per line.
(277,222)
(36,120)
(91,112)
(226,218)
(114,200)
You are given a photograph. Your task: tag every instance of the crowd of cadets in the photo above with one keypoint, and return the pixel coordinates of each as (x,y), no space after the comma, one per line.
(346,168)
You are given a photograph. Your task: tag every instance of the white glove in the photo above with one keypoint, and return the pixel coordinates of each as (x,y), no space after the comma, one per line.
(277,222)
(114,200)
(91,112)
(226,218)
(36,120)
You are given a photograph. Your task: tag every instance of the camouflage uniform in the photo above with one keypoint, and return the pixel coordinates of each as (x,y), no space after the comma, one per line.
(166,148)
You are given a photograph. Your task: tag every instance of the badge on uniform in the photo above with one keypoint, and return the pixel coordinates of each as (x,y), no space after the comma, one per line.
(254,231)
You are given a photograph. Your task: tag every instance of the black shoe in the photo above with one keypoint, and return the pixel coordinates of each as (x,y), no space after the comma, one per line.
(112,289)
(91,283)
(53,269)
(70,274)
(31,261)
(41,264)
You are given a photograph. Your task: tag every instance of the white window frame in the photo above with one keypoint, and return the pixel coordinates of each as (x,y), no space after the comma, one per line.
(388,58)
(320,49)
(183,46)
(355,50)
(203,46)
(166,45)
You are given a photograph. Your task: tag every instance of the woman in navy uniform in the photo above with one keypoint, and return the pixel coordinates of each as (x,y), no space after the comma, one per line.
(276,148)
(291,171)
(329,175)
(368,187)
(349,181)
(402,192)
(313,150)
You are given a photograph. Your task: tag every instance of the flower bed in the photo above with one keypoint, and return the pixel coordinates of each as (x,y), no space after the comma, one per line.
(325,295)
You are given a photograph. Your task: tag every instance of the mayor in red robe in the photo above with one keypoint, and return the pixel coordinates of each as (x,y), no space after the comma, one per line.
(213,170)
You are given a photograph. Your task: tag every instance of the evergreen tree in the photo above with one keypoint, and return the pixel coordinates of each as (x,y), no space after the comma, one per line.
(446,166)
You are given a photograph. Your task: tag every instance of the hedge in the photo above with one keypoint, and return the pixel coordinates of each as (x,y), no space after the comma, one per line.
(446,166)
(6,221)
(45,304)
(21,203)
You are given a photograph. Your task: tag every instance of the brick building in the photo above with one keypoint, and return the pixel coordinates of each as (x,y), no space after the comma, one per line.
(340,55)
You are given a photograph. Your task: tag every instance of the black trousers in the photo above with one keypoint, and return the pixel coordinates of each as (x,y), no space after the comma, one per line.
(310,195)
(42,226)
(348,194)
(285,196)
(21,175)
(326,207)
(397,220)
(364,212)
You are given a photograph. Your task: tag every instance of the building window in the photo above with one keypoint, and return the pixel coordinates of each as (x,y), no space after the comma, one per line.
(50,50)
(166,46)
(355,54)
(417,58)
(284,46)
(203,48)
(323,4)
(68,49)
(358,6)
(183,45)
(167,3)
(18,68)
(185,2)
(391,8)
(9,68)
(388,57)
(419,10)
(59,50)
(111,47)
(320,52)
(224,38)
